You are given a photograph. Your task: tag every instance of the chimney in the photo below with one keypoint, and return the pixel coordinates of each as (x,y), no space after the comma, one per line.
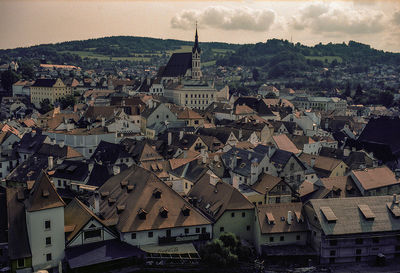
(346,151)
(312,162)
(213,180)
(103,122)
(185,153)
(289,217)
(96,202)
(240,133)
(249,156)
(180,135)
(203,156)
(169,138)
(90,166)
(50,163)
(116,169)
(395,201)
(235,182)
(61,144)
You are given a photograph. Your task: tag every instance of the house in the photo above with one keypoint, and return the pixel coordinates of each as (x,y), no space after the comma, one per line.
(376,181)
(227,208)
(22,88)
(325,166)
(282,142)
(30,143)
(281,232)
(70,174)
(111,154)
(145,211)
(154,117)
(36,221)
(90,242)
(191,118)
(51,89)
(355,229)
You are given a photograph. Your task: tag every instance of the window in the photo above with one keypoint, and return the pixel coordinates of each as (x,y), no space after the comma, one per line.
(48,241)
(278,199)
(197,230)
(243,214)
(232,214)
(92,234)
(358,258)
(48,257)
(186,230)
(282,238)
(21,263)
(90,151)
(298,237)
(247,228)
(221,229)
(47,225)
(375,240)
(298,177)
(133,236)
(359,241)
(150,234)
(203,230)
(271,239)
(332,253)
(358,251)
(157,116)
(292,166)
(333,242)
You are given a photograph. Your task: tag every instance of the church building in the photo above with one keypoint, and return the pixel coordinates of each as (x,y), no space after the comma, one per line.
(184,84)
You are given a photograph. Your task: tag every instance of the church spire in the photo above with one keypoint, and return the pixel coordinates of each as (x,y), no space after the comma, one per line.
(196,42)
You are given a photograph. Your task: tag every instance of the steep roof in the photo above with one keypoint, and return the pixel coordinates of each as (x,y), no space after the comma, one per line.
(284,143)
(272,218)
(321,162)
(43,195)
(44,82)
(349,217)
(144,186)
(214,200)
(189,114)
(107,152)
(72,170)
(375,177)
(178,64)
(266,183)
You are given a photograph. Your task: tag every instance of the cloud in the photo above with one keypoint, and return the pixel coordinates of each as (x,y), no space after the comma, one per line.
(328,19)
(396,17)
(219,17)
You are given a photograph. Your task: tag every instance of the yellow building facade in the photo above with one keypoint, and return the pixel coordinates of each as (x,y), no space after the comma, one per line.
(51,89)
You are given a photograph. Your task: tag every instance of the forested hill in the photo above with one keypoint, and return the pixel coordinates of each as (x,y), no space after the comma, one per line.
(261,53)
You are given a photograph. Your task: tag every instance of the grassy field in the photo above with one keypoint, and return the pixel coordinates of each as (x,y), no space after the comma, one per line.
(210,63)
(93,55)
(323,58)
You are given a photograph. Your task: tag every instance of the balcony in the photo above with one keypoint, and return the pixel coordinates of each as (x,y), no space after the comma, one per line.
(184,238)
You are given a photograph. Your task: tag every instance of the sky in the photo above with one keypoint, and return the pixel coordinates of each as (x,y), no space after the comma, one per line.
(32,22)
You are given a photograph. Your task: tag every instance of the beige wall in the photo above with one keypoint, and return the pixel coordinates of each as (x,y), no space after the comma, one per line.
(237,224)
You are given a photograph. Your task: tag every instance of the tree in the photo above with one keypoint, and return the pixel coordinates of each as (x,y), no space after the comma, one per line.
(67,101)
(45,106)
(347,92)
(386,98)
(8,78)
(270,95)
(256,74)
(359,91)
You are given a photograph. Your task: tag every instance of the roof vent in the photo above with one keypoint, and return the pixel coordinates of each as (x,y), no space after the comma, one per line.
(164,212)
(104,194)
(186,210)
(111,201)
(270,218)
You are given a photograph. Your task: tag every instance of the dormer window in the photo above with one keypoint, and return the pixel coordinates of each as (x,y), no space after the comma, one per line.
(186,210)
(124,183)
(120,208)
(157,193)
(142,214)
(45,193)
(164,212)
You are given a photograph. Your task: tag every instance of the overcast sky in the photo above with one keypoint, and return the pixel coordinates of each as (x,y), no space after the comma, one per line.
(31,22)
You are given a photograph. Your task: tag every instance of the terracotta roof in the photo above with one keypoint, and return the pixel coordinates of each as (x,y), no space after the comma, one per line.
(214,200)
(189,114)
(71,153)
(246,145)
(307,187)
(143,197)
(243,110)
(177,162)
(284,143)
(272,218)
(43,195)
(266,183)
(375,177)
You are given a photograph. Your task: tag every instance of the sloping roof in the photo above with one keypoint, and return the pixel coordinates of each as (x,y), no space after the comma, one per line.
(284,143)
(178,64)
(214,200)
(272,218)
(77,215)
(188,114)
(321,162)
(99,175)
(30,169)
(107,152)
(191,171)
(72,170)
(58,152)
(44,82)
(18,241)
(375,177)
(43,195)
(243,110)
(266,183)
(244,160)
(141,198)
(350,220)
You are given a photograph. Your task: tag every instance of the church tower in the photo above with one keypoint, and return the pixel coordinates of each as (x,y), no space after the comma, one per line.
(196,65)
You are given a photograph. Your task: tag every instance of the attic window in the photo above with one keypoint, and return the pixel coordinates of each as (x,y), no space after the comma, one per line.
(186,211)
(283,218)
(104,194)
(45,193)
(242,165)
(329,215)
(367,212)
(157,193)
(111,201)
(394,209)
(124,183)
(270,218)
(130,188)
(142,214)
(120,208)
(299,218)
(164,212)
